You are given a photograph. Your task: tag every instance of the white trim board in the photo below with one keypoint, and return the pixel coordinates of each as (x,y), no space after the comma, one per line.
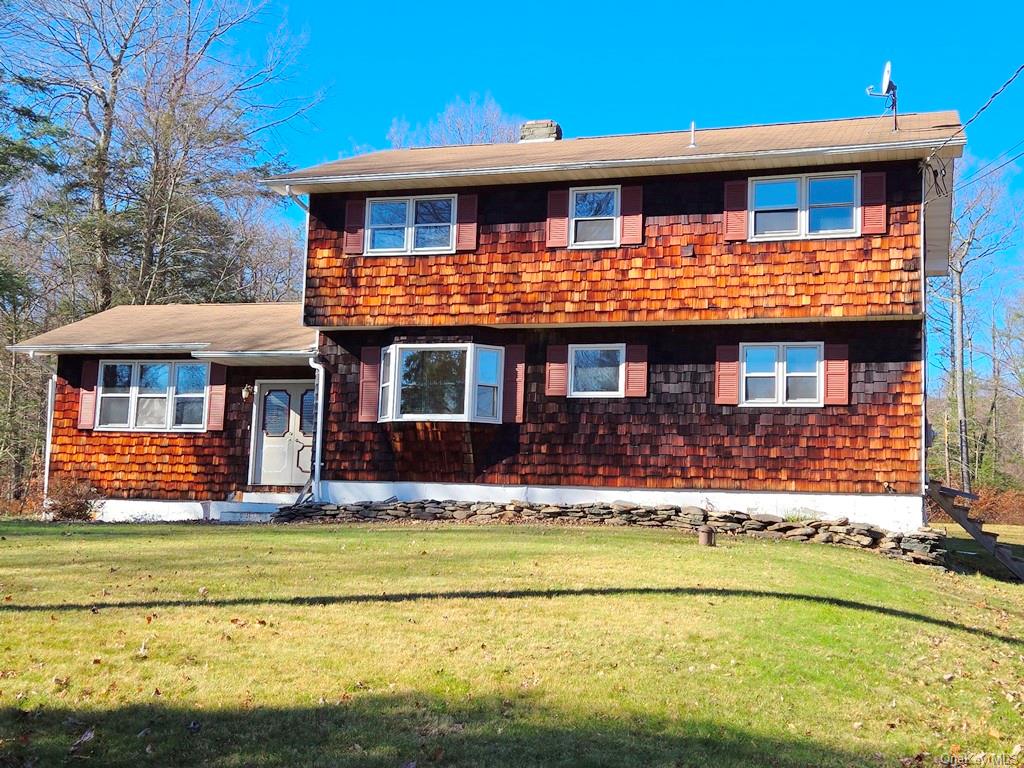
(890,511)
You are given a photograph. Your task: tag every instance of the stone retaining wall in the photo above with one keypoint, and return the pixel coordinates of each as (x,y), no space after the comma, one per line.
(922,546)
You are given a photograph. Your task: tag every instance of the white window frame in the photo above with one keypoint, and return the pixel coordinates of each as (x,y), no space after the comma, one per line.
(616,219)
(781,375)
(394,394)
(620,392)
(133,397)
(803,207)
(410,225)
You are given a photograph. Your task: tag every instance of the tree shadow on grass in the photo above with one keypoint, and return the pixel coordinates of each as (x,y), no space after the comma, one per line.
(514,594)
(394,731)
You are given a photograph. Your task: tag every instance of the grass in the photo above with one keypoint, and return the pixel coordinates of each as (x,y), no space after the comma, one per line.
(498,646)
(968,553)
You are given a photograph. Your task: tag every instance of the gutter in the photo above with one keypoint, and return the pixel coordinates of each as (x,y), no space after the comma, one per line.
(301,353)
(284,184)
(98,349)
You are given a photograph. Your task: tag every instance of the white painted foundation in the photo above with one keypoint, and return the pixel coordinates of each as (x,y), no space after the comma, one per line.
(889,511)
(146,511)
(252,508)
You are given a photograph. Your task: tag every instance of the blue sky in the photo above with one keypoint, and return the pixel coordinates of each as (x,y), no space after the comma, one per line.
(629,67)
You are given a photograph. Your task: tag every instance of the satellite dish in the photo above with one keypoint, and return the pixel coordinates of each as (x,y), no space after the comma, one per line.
(888,92)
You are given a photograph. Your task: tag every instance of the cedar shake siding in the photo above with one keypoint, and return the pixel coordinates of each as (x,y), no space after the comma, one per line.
(684,270)
(672,436)
(202,466)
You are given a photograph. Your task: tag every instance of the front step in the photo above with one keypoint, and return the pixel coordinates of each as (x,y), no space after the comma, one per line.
(946,499)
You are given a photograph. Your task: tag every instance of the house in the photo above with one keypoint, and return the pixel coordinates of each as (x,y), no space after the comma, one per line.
(731,317)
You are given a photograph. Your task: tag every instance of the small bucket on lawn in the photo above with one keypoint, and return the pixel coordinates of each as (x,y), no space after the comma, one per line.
(707,536)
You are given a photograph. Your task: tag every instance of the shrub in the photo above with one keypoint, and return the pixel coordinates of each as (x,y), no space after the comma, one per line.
(70,500)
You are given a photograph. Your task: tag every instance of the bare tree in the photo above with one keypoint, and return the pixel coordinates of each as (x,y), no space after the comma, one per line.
(461,122)
(985,225)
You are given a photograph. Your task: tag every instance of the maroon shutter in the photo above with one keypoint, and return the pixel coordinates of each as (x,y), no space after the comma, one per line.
(369,383)
(736,210)
(355,220)
(218,397)
(556,373)
(465,223)
(513,398)
(558,218)
(837,374)
(636,370)
(873,214)
(632,230)
(727,375)
(87,395)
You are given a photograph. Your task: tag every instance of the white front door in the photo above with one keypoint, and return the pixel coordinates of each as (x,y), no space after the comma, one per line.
(285,422)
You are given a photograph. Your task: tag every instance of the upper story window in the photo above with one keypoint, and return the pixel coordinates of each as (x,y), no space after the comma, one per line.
(810,205)
(152,395)
(441,382)
(594,217)
(781,374)
(597,370)
(411,224)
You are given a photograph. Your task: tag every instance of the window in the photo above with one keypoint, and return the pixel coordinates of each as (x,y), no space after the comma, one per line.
(812,205)
(152,395)
(594,216)
(597,370)
(441,382)
(410,225)
(781,374)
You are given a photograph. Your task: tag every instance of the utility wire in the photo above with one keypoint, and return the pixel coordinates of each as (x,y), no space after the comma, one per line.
(981,109)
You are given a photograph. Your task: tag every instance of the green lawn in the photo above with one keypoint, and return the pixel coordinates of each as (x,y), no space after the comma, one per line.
(498,646)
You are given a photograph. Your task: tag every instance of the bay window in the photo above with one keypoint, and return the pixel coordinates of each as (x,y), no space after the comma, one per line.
(152,395)
(805,206)
(410,224)
(781,374)
(441,382)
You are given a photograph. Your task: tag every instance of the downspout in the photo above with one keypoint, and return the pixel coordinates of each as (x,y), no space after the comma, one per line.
(295,198)
(51,397)
(318,442)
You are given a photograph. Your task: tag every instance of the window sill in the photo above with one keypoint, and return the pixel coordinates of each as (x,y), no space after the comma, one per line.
(596,395)
(782,405)
(439,418)
(430,252)
(822,236)
(153,430)
(591,246)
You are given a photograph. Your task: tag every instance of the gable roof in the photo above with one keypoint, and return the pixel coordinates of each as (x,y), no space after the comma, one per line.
(717,149)
(204,330)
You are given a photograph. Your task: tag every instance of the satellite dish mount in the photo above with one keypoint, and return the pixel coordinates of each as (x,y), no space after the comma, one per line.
(888,91)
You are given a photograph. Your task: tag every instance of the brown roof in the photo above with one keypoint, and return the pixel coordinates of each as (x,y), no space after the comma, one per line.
(183,327)
(719,148)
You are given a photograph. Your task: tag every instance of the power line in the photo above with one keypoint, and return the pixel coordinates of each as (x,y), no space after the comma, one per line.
(975,177)
(981,109)
(990,163)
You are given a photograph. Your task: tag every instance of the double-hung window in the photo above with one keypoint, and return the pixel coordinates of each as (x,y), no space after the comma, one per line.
(594,217)
(152,395)
(781,374)
(806,206)
(441,382)
(411,224)
(597,370)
